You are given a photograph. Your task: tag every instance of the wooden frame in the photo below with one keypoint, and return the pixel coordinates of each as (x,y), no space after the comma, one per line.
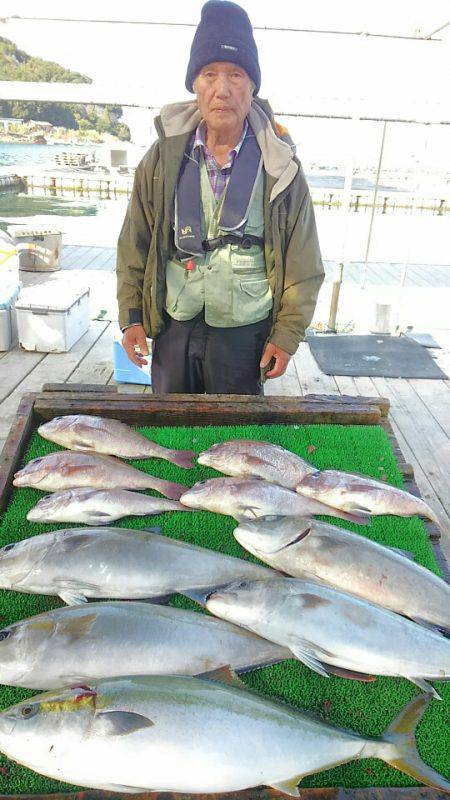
(172,410)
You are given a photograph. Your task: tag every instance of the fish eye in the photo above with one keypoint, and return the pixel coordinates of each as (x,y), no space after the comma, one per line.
(5,635)
(8,547)
(30,711)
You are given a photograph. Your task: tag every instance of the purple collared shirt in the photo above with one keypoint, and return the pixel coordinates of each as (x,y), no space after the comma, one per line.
(218,176)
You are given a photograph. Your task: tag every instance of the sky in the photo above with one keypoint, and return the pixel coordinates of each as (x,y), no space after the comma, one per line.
(320,73)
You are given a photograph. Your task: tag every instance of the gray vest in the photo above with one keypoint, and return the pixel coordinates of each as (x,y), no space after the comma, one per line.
(229,283)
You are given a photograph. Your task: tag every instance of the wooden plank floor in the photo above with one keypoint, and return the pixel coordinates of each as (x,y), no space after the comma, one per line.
(104,258)
(420,409)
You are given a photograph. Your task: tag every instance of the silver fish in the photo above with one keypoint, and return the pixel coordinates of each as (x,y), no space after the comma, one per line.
(108,436)
(79,644)
(98,506)
(358,494)
(249,458)
(248,498)
(78,563)
(316,551)
(192,735)
(70,470)
(333,632)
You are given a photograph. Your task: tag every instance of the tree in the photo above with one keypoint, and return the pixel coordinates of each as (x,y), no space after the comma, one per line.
(16,65)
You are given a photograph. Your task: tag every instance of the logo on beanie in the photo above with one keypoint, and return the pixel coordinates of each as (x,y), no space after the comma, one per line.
(228,47)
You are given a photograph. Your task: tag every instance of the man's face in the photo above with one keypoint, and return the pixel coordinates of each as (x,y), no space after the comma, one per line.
(224,95)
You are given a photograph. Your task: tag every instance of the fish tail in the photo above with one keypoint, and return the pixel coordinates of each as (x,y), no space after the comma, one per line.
(182,458)
(402,751)
(171,490)
(430,514)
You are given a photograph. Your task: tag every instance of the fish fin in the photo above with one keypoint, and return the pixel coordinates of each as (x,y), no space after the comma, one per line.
(425,686)
(352,675)
(247,512)
(296,539)
(161,600)
(270,662)
(359,519)
(155,529)
(428,512)
(169,489)
(118,723)
(74,592)
(251,462)
(81,444)
(99,518)
(199,596)
(290,786)
(223,674)
(78,627)
(72,598)
(354,508)
(405,553)
(400,733)
(182,458)
(304,652)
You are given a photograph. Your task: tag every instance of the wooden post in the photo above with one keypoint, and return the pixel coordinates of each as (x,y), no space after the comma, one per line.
(339,270)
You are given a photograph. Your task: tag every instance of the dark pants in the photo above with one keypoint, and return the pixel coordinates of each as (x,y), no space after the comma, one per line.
(193,357)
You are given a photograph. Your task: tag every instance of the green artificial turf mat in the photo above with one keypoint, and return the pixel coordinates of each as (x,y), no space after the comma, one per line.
(367,708)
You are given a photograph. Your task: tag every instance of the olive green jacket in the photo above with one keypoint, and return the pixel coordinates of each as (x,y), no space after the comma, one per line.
(294,265)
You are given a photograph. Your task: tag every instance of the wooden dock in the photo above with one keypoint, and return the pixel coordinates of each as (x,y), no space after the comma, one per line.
(419,413)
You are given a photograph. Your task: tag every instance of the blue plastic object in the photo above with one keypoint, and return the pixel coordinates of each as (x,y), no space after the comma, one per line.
(8,294)
(124,369)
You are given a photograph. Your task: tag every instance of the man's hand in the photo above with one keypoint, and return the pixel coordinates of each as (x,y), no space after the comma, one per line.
(281,360)
(132,337)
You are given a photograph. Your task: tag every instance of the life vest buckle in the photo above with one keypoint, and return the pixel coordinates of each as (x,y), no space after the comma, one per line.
(246,241)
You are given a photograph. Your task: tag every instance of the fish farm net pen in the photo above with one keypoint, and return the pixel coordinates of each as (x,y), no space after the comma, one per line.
(366,708)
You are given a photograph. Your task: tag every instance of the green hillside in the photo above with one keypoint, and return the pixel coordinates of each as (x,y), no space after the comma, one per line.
(16,65)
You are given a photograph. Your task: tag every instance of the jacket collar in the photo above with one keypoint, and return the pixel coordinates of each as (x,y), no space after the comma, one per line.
(278,153)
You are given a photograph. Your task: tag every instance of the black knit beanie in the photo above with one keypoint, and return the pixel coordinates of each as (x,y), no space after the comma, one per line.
(224,33)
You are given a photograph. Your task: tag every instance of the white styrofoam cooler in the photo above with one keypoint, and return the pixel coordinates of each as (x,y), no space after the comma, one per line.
(52,317)
(8,319)
(39,248)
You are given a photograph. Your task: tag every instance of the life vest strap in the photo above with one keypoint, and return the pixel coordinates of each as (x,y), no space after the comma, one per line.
(246,241)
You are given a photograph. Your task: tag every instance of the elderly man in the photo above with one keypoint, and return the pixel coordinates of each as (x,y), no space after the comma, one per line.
(218,257)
